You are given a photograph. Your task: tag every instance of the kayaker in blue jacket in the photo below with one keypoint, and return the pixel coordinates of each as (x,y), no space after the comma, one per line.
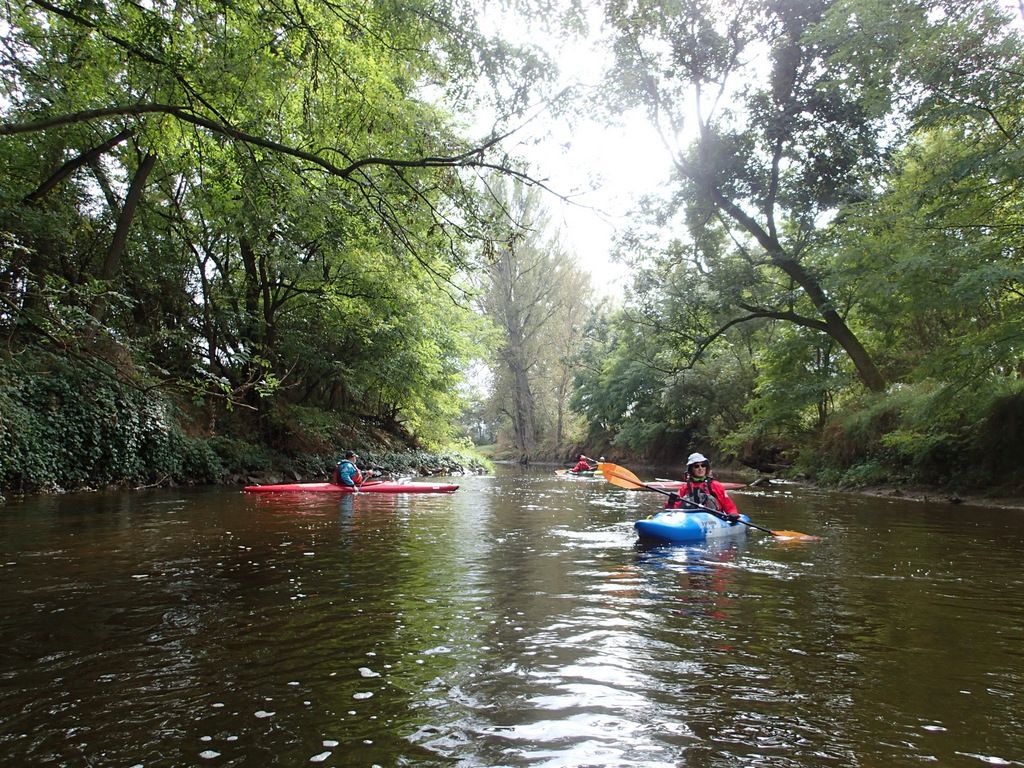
(700,488)
(347,473)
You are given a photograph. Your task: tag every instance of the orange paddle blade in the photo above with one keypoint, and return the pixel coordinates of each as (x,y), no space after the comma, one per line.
(795,536)
(620,476)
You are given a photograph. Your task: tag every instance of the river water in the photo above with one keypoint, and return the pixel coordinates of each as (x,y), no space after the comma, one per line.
(516,622)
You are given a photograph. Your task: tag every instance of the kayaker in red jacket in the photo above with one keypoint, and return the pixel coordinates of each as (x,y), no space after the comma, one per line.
(700,488)
(583,465)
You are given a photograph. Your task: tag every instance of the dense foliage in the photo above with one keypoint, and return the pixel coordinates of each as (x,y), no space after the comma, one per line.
(836,282)
(65,427)
(253,211)
(231,234)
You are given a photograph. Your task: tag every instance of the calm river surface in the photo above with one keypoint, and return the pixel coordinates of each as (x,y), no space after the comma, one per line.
(516,622)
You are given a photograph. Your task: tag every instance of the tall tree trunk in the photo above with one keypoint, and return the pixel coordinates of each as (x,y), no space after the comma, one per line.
(259,332)
(252,290)
(837,327)
(522,406)
(112,261)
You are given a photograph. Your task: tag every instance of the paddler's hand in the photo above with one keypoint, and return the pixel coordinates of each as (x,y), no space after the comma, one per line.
(733,517)
(673,500)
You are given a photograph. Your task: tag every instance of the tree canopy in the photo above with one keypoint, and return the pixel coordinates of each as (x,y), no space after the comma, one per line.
(272,221)
(255,205)
(844,225)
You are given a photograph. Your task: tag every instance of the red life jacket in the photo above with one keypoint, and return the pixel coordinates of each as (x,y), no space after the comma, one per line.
(708,493)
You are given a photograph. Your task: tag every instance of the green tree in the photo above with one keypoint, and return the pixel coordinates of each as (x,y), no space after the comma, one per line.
(939,250)
(778,142)
(535,297)
(250,198)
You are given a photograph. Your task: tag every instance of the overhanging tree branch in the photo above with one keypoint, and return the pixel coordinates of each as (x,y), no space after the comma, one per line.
(471,158)
(73,165)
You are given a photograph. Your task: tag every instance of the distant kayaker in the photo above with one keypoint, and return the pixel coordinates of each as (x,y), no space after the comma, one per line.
(347,473)
(583,465)
(700,488)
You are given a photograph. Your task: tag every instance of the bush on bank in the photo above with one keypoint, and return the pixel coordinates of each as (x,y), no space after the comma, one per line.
(933,433)
(64,428)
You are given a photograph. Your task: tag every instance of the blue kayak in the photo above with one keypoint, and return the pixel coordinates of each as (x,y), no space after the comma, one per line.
(678,526)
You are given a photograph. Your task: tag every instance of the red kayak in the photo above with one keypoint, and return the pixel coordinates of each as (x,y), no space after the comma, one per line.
(369,487)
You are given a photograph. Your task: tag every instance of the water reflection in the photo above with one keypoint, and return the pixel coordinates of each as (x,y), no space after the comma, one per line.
(517,622)
(703,576)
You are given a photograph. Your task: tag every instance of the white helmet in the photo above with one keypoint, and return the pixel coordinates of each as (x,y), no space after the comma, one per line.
(696,458)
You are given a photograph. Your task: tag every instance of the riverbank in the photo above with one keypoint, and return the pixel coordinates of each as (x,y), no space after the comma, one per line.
(995,498)
(388,464)
(938,495)
(257,465)
(919,493)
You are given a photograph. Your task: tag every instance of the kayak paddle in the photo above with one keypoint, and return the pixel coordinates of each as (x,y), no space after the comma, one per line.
(727,486)
(623,478)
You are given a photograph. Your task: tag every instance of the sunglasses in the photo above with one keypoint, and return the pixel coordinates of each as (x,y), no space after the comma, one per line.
(701,464)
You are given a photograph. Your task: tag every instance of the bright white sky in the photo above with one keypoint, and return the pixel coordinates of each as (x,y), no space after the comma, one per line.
(603,170)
